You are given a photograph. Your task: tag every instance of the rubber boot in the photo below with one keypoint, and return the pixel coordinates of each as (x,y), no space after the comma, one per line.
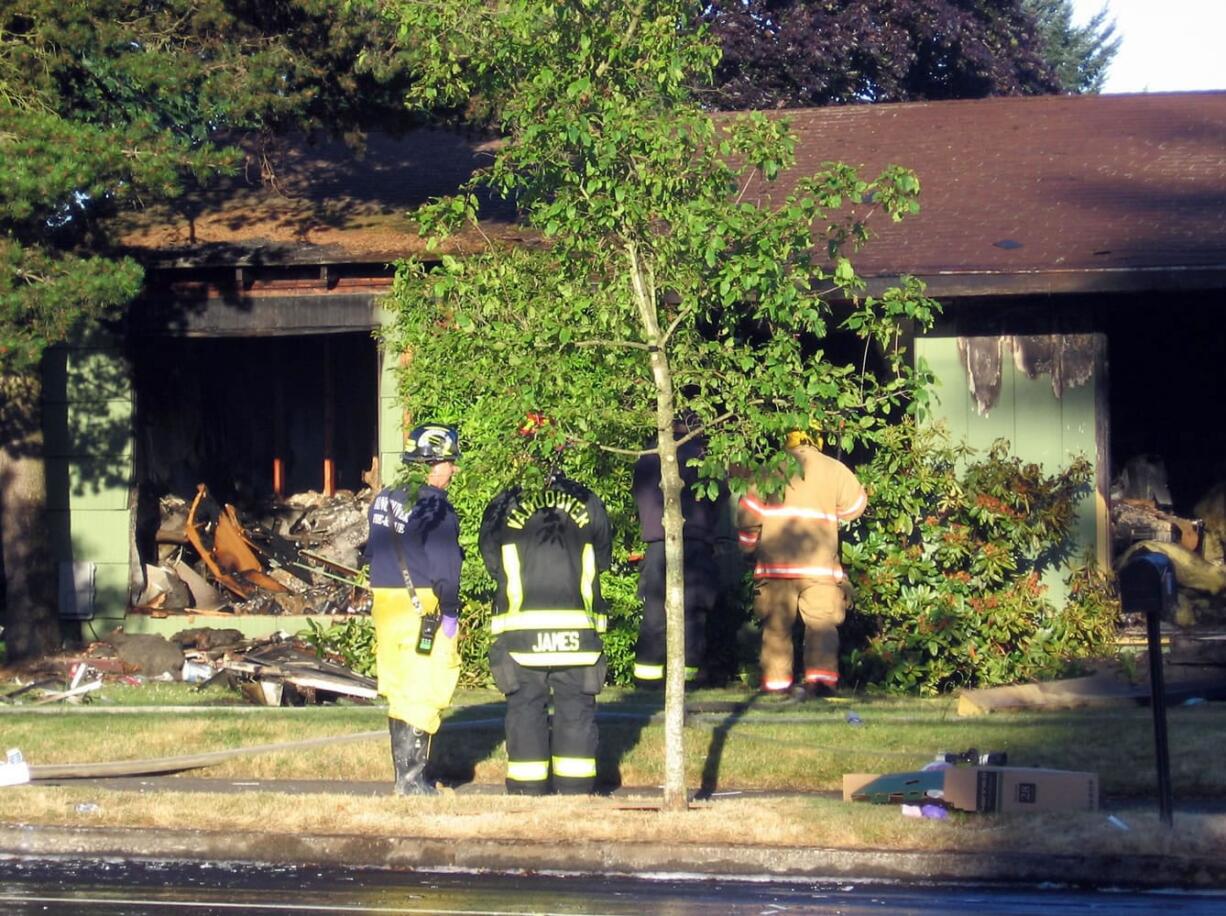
(410,751)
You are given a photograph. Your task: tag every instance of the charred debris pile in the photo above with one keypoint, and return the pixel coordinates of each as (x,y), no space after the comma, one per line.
(1144,518)
(300,555)
(275,670)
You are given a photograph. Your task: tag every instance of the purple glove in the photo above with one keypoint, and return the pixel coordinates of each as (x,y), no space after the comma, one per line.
(451,626)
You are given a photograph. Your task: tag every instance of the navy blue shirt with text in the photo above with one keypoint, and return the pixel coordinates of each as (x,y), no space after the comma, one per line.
(429,534)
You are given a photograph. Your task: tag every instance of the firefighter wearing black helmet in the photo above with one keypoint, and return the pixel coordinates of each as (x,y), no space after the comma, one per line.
(415,556)
(546,547)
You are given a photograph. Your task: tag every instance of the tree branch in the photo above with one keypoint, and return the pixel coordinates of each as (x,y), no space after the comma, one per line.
(30,278)
(626,38)
(722,418)
(612,343)
(612,449)
(681,313)
(630,452)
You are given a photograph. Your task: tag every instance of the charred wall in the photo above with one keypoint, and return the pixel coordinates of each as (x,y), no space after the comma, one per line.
(220,410)
(223,410)
(1166,369)
(1168,374)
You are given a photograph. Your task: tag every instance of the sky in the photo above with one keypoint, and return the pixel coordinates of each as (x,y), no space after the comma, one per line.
(1168,45)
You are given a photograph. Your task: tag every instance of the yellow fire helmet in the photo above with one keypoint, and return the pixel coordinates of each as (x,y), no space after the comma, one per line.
(798,437)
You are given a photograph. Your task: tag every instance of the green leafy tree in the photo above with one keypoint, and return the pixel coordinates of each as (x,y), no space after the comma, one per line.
(1079,55)
(106,105)
(657,284)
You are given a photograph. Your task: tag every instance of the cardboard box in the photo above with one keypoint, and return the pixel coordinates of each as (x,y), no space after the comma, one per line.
(979,788)
(1009,790)
(854,782)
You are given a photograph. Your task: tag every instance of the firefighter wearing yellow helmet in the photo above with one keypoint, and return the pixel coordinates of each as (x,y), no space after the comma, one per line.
(795,544)
(798,437)
(415,556)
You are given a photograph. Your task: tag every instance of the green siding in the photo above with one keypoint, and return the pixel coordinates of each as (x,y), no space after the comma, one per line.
(949,400)
(91,484)
(1040,427)
(111,585)
(1037,433)
(100,536)
(87,373)
(391,413)
(87,425)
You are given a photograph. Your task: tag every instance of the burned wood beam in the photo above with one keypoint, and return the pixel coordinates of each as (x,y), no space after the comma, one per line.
(33,685)
(329,468)
(229,557)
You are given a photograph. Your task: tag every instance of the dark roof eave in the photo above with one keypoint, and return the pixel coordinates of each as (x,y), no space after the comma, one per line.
(976,283)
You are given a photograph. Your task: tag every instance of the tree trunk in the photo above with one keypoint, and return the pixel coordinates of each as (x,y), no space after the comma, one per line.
(675,796)
(31,627)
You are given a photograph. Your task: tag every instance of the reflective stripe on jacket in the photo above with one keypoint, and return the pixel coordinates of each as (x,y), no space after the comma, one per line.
(797,537)
(546,550)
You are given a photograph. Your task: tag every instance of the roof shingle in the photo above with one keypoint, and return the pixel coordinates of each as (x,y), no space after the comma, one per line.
(1042,192)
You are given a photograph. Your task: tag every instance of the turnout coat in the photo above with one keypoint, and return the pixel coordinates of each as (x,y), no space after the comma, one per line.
(546,550)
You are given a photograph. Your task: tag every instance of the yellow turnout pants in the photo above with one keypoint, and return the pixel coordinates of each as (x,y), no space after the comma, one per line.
(418,687)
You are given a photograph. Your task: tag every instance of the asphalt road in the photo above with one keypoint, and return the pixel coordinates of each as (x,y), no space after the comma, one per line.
(139,888)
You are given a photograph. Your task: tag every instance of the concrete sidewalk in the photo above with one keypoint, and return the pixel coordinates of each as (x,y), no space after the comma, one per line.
(625,859)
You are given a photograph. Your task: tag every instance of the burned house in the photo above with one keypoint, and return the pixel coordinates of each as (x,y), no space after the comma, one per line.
(1077,245)
(249,365)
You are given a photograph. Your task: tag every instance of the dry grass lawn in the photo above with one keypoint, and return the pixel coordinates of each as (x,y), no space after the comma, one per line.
(804,749)
(793,821)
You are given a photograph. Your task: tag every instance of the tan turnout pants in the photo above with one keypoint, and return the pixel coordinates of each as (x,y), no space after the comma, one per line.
(822,606)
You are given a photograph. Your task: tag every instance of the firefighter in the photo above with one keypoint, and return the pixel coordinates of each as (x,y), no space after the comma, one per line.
(414,554)
(795,543)
(701,575)
(545,547)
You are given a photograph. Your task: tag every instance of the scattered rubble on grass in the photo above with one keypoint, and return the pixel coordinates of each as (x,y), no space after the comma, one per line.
(284,674)
(271,671)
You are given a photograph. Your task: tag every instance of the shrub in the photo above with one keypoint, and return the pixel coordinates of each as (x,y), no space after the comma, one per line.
(350,643)
(947,565)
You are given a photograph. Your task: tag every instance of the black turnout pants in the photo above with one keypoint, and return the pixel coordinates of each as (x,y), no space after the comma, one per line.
(567,748)
(701,590)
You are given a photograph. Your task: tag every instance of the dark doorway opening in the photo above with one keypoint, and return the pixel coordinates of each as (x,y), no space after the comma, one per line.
(1167,370)
(252,417)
